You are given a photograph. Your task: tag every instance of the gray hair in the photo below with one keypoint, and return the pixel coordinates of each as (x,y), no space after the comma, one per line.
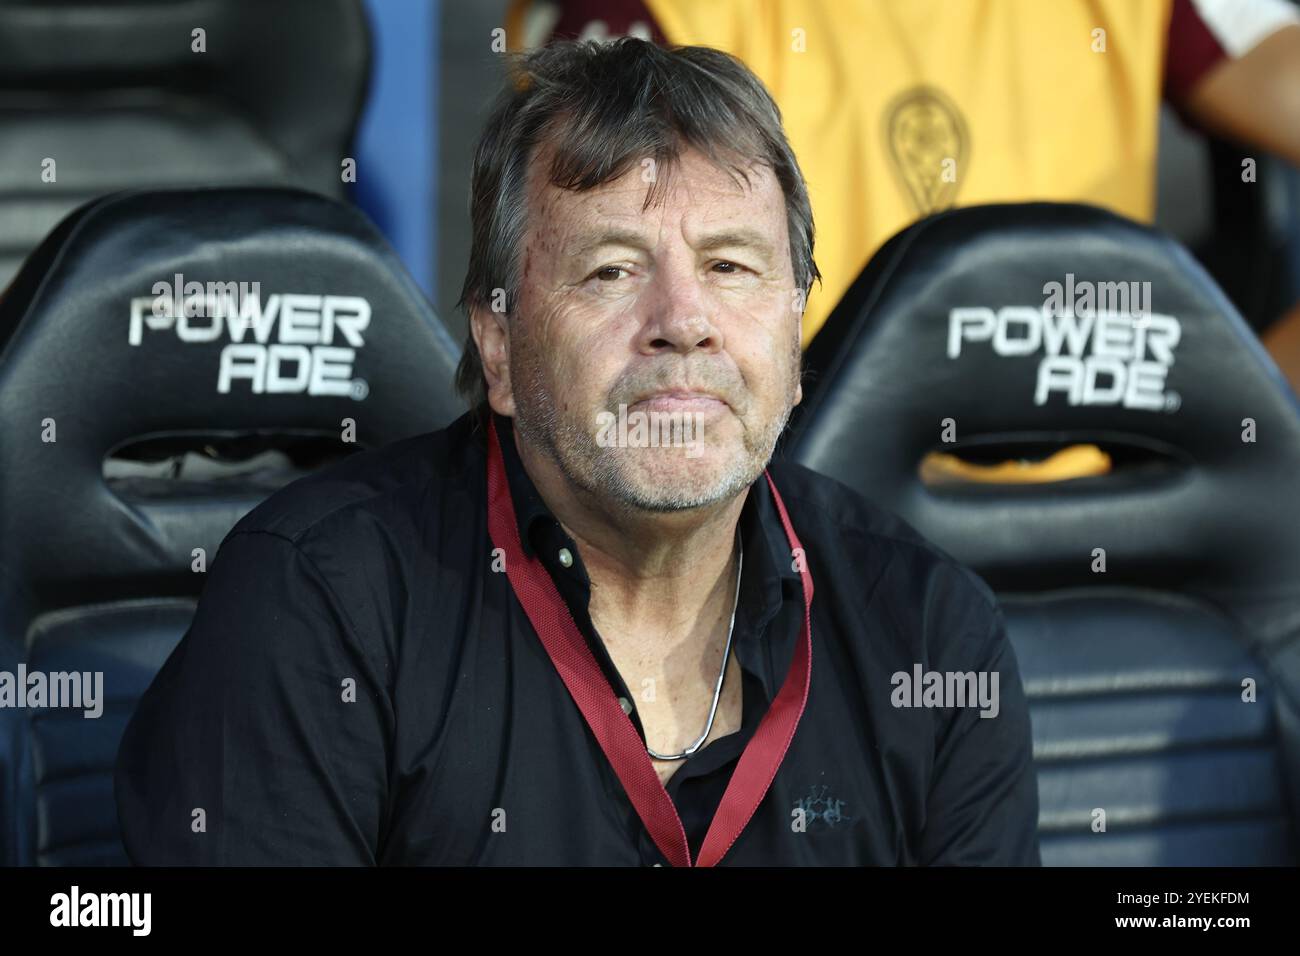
(600,108)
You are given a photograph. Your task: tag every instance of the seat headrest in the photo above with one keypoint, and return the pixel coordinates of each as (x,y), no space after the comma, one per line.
(296,70)
(1043,325)
(214,312)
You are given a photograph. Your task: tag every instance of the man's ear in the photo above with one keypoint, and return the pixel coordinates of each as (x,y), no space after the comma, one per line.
(491,333)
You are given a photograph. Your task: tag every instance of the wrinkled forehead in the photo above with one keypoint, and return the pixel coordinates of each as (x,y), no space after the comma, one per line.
(690,185)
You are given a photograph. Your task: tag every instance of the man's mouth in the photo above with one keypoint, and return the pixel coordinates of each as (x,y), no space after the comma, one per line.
(680,401)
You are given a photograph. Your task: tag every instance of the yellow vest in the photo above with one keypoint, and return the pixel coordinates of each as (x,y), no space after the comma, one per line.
(899,108)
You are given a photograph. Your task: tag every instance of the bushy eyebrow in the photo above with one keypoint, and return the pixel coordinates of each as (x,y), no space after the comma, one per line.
(744,238)
(608,237)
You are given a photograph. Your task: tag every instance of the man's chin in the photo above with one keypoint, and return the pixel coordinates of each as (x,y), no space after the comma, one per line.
(678,478)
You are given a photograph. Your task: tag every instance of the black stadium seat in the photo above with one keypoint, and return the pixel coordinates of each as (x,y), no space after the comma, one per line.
(1136,673)
(121,95)
(167,429)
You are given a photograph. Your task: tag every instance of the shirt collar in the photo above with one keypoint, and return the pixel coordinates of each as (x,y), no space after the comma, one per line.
(530,509)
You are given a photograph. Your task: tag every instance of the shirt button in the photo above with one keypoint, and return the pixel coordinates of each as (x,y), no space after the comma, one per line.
(625,704)
(566,557)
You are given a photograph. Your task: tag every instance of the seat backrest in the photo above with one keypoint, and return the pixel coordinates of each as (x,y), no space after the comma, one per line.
(326,345)
(1155,608)
(100,96)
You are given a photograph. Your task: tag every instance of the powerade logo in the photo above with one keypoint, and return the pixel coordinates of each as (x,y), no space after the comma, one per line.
(287,343)
(1091,353)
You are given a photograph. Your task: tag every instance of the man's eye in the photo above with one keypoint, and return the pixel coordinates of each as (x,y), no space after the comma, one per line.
(731,267)
(607,273)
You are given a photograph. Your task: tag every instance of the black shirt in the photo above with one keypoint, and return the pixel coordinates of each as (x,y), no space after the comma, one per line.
(359,686)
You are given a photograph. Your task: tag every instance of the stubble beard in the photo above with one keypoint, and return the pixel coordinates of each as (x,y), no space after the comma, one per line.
(607,472)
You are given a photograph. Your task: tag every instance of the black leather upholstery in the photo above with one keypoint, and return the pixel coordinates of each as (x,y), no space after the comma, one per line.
(116,95)
(1134,674)
(95,559)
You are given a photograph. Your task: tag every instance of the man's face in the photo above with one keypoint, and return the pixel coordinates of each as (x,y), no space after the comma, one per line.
(681,315)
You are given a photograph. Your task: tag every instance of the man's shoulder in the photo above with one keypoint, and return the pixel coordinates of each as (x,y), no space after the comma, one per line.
(823,509)
(832,506)
(387,482)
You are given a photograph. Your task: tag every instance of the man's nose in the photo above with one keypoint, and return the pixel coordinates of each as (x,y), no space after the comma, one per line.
(682,315)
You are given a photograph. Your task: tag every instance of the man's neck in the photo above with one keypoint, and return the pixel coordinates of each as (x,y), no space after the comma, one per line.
(663,573)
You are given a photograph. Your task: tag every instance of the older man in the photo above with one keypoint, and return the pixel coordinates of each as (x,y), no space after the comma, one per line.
(586,624)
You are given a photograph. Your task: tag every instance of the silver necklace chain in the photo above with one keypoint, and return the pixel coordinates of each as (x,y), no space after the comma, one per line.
(726,656)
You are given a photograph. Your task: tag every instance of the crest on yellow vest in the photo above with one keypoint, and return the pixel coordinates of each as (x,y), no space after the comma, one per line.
(930,147)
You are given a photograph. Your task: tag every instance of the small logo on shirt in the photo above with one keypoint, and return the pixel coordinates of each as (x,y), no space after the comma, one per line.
(819,811)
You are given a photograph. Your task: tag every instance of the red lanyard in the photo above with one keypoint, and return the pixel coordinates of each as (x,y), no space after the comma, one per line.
(613,729)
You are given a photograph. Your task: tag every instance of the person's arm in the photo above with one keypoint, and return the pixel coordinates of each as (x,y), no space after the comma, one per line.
(534,23)
(248,747)
(1254,98)
(982,808)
